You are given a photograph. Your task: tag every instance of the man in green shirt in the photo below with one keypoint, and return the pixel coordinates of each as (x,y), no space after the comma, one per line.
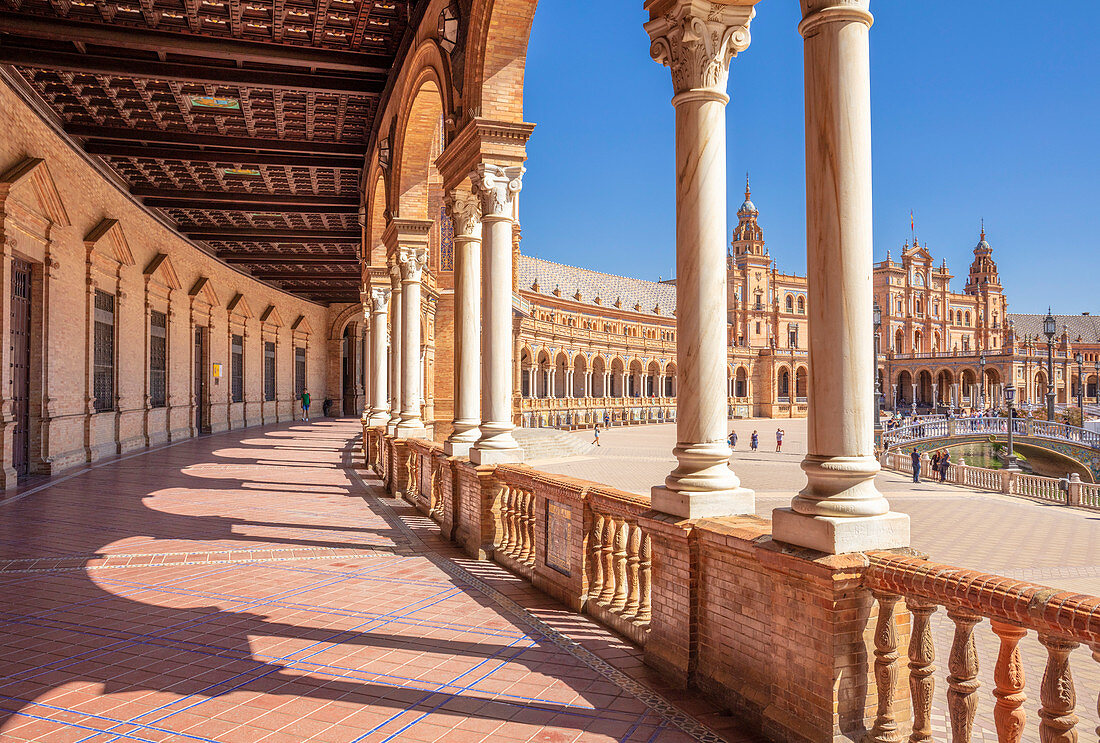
(305,405)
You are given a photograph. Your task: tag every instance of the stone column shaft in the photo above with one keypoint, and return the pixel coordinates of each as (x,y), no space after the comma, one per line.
(395,348)
(379,411)
(411,260)
(497,187)
(465,212)
(840,509)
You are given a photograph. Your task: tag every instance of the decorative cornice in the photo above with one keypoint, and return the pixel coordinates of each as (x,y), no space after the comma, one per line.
(697,39)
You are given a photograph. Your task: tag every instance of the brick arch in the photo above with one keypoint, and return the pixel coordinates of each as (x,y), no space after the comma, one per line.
(350,313)
(496,58)
(376,221)
(418,143)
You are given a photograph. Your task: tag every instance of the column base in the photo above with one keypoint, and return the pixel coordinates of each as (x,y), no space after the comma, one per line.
(700,505)
(391,427)
(497,456)
(411,430)
(457,448)
(378,419)
(838,535)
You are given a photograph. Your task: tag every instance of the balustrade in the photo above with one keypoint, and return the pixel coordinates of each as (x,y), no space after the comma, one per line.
(517,524)
(1062,621)
(620,568)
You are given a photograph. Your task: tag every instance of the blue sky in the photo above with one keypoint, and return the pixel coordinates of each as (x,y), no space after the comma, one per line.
(980,109)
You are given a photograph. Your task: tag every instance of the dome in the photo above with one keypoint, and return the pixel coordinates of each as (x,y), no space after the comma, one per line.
(983,245)
(748,208)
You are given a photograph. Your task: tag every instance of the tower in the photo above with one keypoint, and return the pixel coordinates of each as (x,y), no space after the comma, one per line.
(748,278)
(748,238)
(984,284)
(983,271)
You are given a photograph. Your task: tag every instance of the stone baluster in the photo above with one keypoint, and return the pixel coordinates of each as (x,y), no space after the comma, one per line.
(962,683)
(607,549)
(645,581)
(507,536)
(1058,722)
(619,600)
(922,655)
(885,729)
(633,562)
(1009,678)
(595,557)
(528,555)
(697,39)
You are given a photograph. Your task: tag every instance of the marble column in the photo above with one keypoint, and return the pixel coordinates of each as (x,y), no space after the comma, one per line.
(840,509)
(379,410)
(497,188)
(465,211)
(697,39)
(395,347)
(411,260)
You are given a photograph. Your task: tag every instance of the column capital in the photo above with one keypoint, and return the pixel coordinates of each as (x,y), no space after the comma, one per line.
(497,188)
(815,13)
(464,208)
(411,260)
(395,273)
(697,39)
(379,299)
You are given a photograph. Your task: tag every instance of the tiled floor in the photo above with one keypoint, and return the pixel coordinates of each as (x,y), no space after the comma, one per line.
(249,586)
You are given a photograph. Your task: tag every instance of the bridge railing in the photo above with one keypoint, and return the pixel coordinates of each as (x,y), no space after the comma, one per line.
(934,427)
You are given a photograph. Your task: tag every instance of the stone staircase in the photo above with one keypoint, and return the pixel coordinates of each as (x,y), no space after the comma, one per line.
(549,443)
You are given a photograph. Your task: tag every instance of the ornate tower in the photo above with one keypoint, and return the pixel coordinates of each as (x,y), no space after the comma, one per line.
(748,279)
(983,271)
(748,238)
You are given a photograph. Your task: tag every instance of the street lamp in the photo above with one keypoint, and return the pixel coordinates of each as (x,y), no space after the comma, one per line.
(876,317)
(1081,386)
(1050,327)
(981,375)
(1010,395)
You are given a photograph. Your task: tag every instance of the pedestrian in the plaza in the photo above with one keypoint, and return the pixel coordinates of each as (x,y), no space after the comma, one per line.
(733,439)
(779,434)
(914,457)
(935,461)
(596,435)
(305,405)
(945,464)
(754,441)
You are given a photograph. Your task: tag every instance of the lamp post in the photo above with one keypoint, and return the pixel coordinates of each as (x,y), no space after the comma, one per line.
(1010,396)
(1050,327)
(981,378)
(1081,386)
(913,402)
(876,317)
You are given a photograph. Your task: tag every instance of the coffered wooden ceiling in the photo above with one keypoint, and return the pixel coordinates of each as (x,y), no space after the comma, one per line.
(244,122)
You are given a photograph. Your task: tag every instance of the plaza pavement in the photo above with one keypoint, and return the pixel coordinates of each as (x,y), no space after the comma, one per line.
(1029,540)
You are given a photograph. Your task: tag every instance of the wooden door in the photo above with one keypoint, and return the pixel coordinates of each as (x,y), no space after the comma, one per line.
(200,380)
(21,363)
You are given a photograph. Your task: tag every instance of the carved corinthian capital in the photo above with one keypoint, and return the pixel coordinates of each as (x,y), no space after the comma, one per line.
(379,299)
(395,273)
(497,188)
(411,260)
(464,209)
(697,39)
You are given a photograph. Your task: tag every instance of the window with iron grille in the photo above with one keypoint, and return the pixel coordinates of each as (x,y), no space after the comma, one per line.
(269,370)
(237,372)
(299,372)
(158,359)
(103,379)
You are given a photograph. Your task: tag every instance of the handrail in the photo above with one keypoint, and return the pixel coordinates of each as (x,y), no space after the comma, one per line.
(931,427)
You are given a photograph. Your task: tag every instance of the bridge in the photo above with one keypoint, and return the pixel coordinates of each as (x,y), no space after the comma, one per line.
(927,433)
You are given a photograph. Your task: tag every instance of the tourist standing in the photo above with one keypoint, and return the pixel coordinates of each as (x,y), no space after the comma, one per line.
(596,434)
(914,457)
(754,441)
(779,433)
(935,461)
(945,463)
(733,439)
(305,405)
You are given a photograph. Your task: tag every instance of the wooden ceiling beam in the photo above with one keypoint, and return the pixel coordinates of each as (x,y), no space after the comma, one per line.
(229,157)
(305,276)
(239,234)
(258,144)
(240,201)
(215,74)
(167,42)
(284,259)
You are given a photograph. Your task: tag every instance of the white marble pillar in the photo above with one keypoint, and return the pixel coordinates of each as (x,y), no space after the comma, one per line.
(465,211)
(379,411)
(497,187)
(411,260)
(697,39)
(840,509)
(395,347)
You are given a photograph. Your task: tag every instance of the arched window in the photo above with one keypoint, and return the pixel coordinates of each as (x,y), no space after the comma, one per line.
(790,303)
(784,384)
(968,319)
(801,305)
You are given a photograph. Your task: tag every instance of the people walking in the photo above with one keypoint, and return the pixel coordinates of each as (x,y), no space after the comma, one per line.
(305,405)
(914,457)
(779,434)
(754,441)
(733,440)
(596,435)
